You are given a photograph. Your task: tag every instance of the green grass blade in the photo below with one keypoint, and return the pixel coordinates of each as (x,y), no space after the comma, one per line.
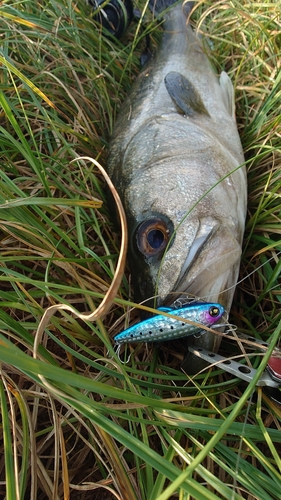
(10,477)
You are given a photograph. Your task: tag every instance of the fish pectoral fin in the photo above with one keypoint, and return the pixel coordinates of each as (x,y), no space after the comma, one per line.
(227,93)
(184,94)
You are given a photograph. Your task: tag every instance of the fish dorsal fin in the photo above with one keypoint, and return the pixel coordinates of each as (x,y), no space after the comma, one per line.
(227,93)
(184,94)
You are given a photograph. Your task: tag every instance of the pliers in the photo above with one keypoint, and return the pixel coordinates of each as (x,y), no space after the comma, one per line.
(270,378)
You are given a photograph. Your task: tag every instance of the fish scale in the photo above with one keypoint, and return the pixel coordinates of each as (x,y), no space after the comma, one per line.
(162,328)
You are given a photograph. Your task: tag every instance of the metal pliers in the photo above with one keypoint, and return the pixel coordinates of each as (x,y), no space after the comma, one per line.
(270,378)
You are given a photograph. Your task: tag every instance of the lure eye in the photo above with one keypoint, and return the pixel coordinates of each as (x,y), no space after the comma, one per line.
(152,236)
(214,311)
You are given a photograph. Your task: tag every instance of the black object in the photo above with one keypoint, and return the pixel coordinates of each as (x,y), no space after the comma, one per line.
(114,15)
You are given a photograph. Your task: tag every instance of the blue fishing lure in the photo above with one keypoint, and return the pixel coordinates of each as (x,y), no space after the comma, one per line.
(161,328)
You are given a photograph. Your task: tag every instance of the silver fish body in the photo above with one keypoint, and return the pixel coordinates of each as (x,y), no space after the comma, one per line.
(175,159)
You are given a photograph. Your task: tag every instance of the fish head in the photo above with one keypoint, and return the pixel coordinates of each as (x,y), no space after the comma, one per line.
(198,258)
(202,263)
(181,258)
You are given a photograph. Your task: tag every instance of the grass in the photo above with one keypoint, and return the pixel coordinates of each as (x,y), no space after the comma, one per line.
(76,422)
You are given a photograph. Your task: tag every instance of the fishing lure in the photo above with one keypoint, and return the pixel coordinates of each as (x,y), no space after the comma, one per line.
(161,328)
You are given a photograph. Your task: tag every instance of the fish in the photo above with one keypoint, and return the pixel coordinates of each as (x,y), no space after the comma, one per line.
(176,160)
(160,328)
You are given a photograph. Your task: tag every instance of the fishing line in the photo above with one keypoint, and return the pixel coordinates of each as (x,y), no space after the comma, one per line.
(169,244)
(207,297)
(190,298)
(252,272)
(181,301)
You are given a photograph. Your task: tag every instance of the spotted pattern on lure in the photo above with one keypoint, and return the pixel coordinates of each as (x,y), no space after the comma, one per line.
(161,328)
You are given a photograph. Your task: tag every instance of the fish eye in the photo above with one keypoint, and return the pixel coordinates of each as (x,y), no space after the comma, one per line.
(214,311)
(152,236)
